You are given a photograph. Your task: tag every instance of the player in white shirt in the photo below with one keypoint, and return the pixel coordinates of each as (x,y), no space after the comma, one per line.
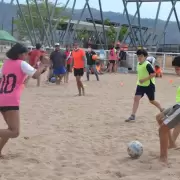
(151,59)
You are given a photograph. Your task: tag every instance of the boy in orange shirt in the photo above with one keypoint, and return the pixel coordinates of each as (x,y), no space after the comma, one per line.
(80,62)
(158,71)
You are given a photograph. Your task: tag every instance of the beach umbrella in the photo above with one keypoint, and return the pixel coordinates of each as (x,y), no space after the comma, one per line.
(5,36)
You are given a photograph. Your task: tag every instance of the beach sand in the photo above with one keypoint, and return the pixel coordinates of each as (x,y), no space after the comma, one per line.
(64,137)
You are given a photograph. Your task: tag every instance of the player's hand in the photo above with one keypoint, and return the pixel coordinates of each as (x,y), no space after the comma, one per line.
(141,81)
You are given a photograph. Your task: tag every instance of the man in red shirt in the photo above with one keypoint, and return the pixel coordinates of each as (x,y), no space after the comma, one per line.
(34,57)
(80,62)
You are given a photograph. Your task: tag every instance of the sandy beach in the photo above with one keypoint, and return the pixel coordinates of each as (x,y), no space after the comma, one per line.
(85,138)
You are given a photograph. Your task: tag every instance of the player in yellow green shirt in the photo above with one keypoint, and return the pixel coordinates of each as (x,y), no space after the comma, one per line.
(145,83)
(170,119)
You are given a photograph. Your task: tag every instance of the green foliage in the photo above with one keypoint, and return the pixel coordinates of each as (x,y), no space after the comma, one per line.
(38,27)
(111,32)
(82,34)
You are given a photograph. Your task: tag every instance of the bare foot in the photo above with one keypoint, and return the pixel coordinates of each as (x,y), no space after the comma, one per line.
(171,146)
(2,156)
(77,95)
(163,160)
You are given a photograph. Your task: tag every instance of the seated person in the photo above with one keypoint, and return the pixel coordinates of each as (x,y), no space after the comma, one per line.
(158,71)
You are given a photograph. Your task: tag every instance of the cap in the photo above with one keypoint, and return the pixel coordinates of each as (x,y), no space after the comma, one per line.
(57,44)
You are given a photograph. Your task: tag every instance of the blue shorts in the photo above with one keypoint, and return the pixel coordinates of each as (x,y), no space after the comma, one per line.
(59,71)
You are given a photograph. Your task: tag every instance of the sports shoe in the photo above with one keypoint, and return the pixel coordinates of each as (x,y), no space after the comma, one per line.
(131,118)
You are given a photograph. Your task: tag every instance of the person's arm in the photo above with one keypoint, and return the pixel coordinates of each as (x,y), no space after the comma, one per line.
(31,71)
(151,73)
(51,62)
(84,58)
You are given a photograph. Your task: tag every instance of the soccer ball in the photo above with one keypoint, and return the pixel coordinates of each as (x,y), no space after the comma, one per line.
(135,149)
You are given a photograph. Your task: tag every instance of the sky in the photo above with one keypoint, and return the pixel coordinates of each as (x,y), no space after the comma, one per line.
(148,10)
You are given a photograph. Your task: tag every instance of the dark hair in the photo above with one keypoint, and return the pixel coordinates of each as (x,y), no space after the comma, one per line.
(157,66)
(142,52)
(15,51)
(176,61)
(38,46)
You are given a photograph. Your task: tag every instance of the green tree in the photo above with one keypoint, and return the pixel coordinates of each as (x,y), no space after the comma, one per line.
(38,26)
(122,33)
(82,34)
(111,32)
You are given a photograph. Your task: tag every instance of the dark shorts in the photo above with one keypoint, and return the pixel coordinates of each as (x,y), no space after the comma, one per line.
(112,61)
(149,91)
(8,108)
(59,71)
(172,116)
(78,72)
(69,68)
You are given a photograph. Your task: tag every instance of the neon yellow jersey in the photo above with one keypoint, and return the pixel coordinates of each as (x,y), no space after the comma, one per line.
(178,95)
(143,73)
(1,64)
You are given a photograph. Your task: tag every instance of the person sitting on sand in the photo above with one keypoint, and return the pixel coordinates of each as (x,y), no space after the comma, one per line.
(13,73)
(169,119)
(158,71)
(145,83)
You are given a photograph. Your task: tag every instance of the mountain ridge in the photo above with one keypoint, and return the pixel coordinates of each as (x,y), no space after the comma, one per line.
(171,38)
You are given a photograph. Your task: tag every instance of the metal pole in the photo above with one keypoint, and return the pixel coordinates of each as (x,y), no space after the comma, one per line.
(167,22)
(102,19)
(139,23)
(94,24)
(128,30)
(176,16)
(59,18)
(50,24)
(52,18)
(76,26)
(157,17)
(31,19)
(42,22)
(24,20)
(129,22)
(69,23)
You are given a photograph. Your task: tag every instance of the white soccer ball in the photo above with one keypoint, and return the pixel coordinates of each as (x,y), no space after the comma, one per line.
(135,149)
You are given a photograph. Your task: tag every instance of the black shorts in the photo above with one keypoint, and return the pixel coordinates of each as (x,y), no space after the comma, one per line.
(149,91)
(68,68)
(78,72)
(112,61)
(9,108)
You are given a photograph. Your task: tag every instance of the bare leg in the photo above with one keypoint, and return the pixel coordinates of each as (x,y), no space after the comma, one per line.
(175,134)
(38,81)
(135,108)
(110,67)
(159,119)
(136,104)
(67,77)
(78,85)
(163,134)
(58,80)
(12,120)
(155,103)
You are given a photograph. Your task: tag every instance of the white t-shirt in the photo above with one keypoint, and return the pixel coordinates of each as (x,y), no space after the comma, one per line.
(25,67)
(151,59)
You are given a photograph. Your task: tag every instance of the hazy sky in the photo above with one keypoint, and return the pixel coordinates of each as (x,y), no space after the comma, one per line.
(147,9)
